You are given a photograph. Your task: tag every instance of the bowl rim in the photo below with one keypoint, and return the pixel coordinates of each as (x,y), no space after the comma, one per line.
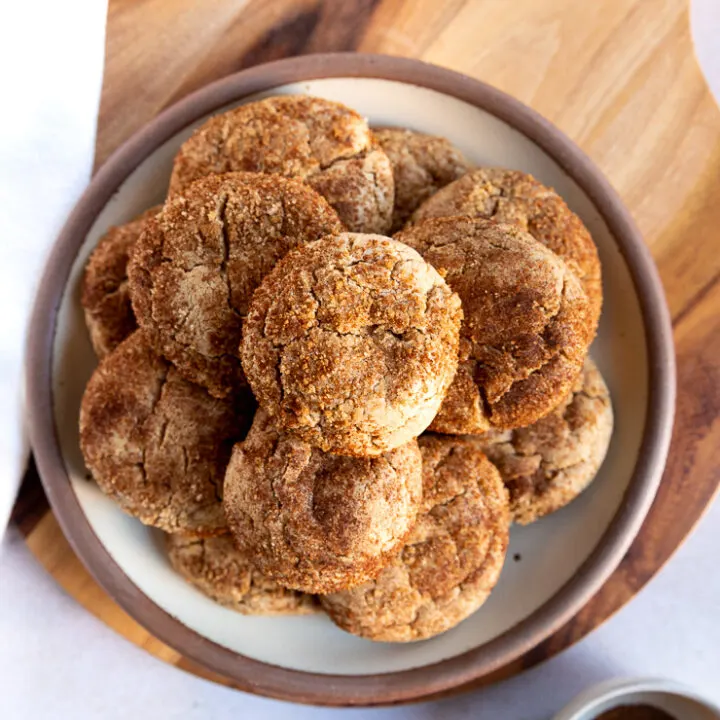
(614,692)
(400,686)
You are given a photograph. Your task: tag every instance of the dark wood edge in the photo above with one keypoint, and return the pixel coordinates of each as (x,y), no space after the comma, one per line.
(418,683)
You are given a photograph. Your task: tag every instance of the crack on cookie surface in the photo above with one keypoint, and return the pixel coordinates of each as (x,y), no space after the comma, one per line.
(223,220)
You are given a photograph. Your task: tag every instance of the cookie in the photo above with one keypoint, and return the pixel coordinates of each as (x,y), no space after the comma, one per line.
(351,342)
(451,561)
(516,198)
(219,570)
(317,522)
(323,143)
(421,165)
(105,296)
(195,267)
(548,464)
(156,443)
(527,323)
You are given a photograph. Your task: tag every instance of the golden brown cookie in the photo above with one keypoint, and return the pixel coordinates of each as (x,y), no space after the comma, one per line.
(452,559)
(105,296)
(325,144)
(195,267)
(317,522)
(526,328)
(548,464)
(219,570)
(351,342)
(421,164)
(156,443)
(516,198)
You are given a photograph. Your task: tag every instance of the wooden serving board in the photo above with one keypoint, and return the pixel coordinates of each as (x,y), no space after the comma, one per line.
(618,76)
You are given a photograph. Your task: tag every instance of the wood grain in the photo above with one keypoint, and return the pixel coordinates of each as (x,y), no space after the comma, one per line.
(619,77)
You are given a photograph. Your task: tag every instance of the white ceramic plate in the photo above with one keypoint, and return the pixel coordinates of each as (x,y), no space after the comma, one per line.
(542,557)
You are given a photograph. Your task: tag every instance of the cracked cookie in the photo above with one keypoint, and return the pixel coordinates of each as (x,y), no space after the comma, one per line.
(323,143)
(548,464)
(351,342)
(195,267)
(452,559)
(157,444)
(219,570)
(421,164)
(105,296)
(526,327)
(318,522)
(516,198)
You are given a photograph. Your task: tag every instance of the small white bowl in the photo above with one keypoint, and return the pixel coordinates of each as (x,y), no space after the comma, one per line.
(682,702)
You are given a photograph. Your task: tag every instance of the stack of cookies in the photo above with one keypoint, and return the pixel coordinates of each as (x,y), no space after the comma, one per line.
(320,415)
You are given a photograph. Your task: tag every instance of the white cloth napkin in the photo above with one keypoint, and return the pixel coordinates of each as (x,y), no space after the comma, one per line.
(51,65)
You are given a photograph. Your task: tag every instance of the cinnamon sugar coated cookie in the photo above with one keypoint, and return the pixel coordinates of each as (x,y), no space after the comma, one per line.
(156,443)
(318,522)
(351,342)
(105,296)
(527,322)
(321,142)
(451,561)
(548,464)
(198,262)
(220,571)
(421,164)
(516,198)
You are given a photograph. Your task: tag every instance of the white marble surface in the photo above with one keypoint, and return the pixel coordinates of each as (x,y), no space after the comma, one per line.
(57,661)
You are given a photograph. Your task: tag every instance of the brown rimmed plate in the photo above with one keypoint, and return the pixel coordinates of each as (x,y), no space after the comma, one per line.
(563,559)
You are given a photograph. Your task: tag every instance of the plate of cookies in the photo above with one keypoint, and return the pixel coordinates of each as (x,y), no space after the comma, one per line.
(351,379)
